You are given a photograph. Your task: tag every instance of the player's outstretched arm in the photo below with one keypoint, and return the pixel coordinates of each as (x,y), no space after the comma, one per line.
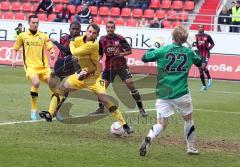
(62,48)
(150,55)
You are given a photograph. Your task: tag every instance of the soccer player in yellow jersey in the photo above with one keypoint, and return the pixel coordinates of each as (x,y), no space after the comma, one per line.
(33,43)
(86,48)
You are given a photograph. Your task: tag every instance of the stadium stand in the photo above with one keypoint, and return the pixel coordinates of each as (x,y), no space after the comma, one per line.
(160,14)
(19,16)
(172,12)
(97,20)
(72,8)
(131,22)
(119,22)
(148,14)
(5,6)
(93,9)
(155,4)
(205,15)
(8,15)
(16,6)
(103,11)
(166,4)
(114,12)
(126,12)
(177,5)
(137,13)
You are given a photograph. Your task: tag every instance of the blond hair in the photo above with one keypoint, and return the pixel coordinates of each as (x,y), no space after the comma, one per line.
(179,35)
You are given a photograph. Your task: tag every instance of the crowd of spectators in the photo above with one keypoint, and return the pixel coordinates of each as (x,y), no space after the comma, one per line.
(229,19)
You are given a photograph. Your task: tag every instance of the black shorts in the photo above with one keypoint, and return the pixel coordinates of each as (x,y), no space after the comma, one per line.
(205,60)
(123,73)
(66,66)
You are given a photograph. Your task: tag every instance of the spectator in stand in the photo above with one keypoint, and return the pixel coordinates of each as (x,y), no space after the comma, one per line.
(45,5)
(84,15)
(97,3)
(155,23)
(119,3)
(143,4)
(143,23)
(235,12)
(64,14)
(18,30)
(75,2)
(224,20)
(132,4)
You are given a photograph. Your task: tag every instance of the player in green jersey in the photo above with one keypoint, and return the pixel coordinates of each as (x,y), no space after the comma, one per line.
(173,63)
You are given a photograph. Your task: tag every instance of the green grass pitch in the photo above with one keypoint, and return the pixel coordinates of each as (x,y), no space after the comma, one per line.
(216,113)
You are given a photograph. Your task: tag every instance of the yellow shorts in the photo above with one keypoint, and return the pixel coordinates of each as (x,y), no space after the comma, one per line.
(94,83)
(42,73)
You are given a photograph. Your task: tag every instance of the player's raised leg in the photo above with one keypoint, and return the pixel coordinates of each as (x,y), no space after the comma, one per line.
(164,110)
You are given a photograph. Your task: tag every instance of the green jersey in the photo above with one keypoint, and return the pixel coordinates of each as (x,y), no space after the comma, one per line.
(173,64)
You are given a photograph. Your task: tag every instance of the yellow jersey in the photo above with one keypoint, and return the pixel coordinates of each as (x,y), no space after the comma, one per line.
(87,53)
(33,49)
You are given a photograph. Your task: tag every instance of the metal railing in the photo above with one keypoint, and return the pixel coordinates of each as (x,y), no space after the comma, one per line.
(210,18)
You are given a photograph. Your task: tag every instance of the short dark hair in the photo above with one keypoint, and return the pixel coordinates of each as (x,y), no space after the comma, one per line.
(20,24)
(94,26)
(111,22)
(32,16)
(75,23)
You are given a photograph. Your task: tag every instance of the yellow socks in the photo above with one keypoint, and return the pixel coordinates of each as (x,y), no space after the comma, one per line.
(34,99)
(118,116)
(55,102)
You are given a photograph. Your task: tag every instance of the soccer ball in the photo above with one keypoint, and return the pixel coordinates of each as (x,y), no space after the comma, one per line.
(117,129)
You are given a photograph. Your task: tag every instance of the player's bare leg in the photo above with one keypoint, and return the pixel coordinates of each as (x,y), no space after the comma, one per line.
(153,133)
(115,112)
(57,99)
(136,96)
(189,132)
(35,82)
(52,83)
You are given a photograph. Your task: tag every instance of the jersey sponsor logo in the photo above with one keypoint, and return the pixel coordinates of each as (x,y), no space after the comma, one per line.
(111,49)
(201,42)
(6,54)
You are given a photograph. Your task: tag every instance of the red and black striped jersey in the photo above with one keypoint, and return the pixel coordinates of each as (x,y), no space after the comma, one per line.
(204,43)
(65,41)
(109,46)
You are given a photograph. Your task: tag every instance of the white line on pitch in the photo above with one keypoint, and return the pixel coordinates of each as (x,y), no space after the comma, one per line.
(196,109)
(217,91)
(132,111)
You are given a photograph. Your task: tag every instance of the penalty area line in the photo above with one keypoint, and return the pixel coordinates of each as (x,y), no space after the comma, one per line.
(126,112)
